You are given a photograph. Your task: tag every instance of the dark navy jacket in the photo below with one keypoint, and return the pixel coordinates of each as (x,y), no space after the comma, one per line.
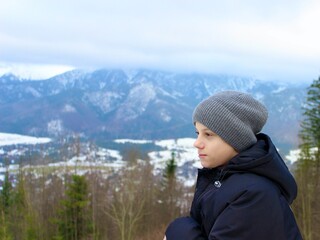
(248,199)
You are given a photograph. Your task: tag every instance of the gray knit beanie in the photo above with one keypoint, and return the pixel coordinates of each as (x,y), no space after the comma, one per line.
(234,116)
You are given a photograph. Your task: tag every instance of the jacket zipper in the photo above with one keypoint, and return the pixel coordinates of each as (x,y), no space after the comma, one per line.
(216,183)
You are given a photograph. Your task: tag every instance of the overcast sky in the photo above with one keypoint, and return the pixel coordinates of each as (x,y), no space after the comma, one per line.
(269,40)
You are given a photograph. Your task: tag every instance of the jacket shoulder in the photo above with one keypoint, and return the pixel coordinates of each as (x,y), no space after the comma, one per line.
(247,186)
(250,182)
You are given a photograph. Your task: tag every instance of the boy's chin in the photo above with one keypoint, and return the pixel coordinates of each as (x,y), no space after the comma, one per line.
(205,165)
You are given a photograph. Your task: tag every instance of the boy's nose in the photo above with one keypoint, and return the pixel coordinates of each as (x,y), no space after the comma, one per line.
(198,143)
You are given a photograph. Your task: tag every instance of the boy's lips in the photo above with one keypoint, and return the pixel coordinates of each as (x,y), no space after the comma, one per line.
(201,155)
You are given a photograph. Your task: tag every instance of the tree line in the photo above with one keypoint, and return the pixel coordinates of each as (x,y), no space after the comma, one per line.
(307,205)
(135,203)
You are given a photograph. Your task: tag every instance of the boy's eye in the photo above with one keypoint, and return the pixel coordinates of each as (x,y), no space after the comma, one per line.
(209,134)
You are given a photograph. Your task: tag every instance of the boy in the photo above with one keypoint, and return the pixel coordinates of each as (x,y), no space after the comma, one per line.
(244,190)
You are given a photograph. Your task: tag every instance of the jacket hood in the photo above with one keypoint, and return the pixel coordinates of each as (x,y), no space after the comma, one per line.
(263,159)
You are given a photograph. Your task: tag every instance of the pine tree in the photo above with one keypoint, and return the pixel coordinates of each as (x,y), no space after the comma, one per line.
(4,230)
(170,169)
(6,193)
(310,127)
(306,206)
(5,197)
(169,177)
(74,222)
(23,218)
(170,193)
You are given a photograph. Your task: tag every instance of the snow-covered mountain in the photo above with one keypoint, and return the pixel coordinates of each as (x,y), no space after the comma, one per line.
(139,104)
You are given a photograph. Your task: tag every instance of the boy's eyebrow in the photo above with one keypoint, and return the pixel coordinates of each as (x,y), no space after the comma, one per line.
(203,129)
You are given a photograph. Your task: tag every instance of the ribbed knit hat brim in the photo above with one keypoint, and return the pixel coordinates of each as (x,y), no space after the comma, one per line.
(235,116)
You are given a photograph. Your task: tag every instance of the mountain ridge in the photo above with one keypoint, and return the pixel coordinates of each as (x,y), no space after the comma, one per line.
(139,104)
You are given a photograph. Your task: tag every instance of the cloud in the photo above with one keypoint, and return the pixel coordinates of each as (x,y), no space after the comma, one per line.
(274,39)
(33,71)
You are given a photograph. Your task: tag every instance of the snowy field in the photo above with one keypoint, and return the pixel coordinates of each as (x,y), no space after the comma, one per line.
(183,148)
(7,139)
(111,160)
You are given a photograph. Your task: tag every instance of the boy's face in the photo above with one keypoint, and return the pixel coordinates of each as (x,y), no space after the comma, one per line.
(212,150)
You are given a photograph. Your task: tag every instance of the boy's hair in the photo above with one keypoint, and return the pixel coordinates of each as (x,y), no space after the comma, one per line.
(235,116)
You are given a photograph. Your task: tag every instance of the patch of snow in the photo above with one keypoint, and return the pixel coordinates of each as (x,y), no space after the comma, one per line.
(280,109)
(102,153)
(7,139)
(69,78)
(68,108)
(259,96)
(33,91)
(197,164)
(83,160)
(55,127)
(137,101)
(165,116)
(16,152)
(176,143)
(168,143)
(114,154)
(189,182)
(294,155)
(106,101)
(13,167)
(280,89)
(130,73)
(132,141)
(102,85)
(186,142)
(182,147)
(114,165)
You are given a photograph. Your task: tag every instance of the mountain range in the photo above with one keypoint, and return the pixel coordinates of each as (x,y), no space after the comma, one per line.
(137,104)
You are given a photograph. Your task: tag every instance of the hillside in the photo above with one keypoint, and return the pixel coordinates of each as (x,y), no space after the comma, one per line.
(141,104)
